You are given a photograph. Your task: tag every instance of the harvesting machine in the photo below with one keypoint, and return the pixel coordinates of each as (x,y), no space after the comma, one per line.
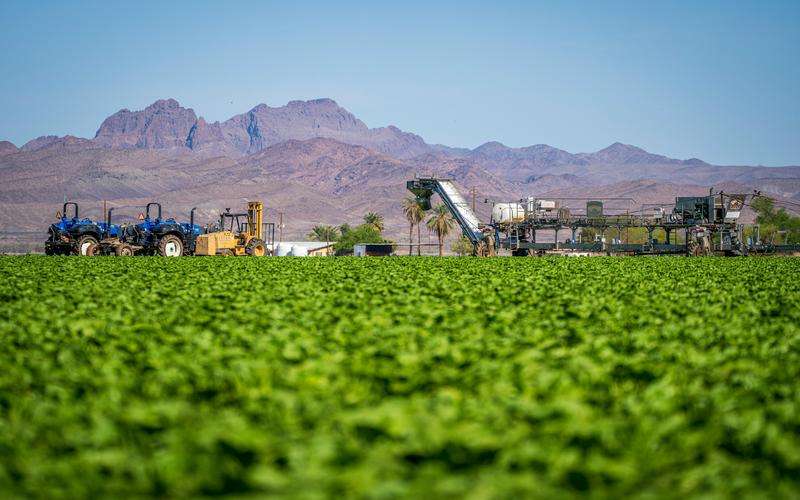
(709,224)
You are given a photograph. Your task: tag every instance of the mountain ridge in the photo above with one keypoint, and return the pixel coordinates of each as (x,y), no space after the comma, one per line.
(166,124)
(319,164)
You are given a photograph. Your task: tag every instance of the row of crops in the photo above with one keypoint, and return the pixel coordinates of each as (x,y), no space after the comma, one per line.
(405,377)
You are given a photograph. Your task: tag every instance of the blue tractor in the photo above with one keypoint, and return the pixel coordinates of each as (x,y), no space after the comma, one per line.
(157,236)
(73,235)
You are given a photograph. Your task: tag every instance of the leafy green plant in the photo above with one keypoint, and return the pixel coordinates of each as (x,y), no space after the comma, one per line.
(399,377)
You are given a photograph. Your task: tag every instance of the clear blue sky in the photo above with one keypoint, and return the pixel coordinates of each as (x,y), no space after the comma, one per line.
(718,80)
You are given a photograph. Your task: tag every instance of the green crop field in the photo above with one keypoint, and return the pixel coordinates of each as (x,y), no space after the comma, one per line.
(399,377)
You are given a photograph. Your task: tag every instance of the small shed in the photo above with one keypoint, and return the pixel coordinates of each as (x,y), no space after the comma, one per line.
(373,249)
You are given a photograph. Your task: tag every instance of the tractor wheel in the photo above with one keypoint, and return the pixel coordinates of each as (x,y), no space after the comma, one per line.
(123,250)
(93,250)
(170,246)
(256,248)
(83,244)
(226,252)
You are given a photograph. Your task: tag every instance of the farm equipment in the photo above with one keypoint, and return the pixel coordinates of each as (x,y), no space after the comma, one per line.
(73,235)
(239,234)
(157,236)
(709,224)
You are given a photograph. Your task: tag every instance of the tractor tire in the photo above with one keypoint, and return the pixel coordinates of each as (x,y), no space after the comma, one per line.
(170,246)
(256,248)
(123,250)
(93,250)
(226,252)
(83,245)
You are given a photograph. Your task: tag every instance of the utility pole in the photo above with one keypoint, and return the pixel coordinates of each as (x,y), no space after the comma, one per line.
(474,192)
(280,227)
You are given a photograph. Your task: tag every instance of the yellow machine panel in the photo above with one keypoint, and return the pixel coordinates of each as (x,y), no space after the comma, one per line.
(215,243)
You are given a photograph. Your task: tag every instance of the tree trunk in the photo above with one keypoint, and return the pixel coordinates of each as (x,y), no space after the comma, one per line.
(410,238)
(441,245)
(419,241)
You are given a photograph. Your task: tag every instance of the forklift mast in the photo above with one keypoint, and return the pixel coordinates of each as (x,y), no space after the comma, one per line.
(255,219)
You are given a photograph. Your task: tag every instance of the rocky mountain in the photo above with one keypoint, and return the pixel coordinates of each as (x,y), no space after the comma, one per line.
(7,148)
(162,125)
(625,154)
(317,163)
(165,124)
(53,142)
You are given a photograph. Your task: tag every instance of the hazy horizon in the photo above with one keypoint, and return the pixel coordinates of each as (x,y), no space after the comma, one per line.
(716,81)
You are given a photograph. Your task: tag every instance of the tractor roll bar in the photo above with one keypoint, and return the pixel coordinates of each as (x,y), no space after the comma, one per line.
(147,209)
(70,203)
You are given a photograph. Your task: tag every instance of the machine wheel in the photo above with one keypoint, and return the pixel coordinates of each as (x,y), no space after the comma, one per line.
(123,250)
(84,243)
(170,246)
(520,252)
(93,250)
(256,248)
(225,252)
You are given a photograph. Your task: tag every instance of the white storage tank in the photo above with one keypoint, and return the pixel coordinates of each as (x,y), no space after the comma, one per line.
(282,250)
(547,204)
(299,251)
(508,212)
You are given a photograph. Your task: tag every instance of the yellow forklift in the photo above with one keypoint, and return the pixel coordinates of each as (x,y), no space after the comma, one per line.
(239,234)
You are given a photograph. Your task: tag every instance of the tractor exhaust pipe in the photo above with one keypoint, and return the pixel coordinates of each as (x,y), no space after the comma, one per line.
(192,238)
(108,222)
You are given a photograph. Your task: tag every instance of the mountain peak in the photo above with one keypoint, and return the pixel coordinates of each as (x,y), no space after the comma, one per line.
(694,161)
(626,154)
(165,104)
(164,124)
(39,142)
(619,147)
(7,147)
(491,147)
(48,141)
(324,102)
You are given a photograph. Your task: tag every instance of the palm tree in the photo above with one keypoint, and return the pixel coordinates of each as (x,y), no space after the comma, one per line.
(441,223)
(414,215)
(324,233)
(375,221)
